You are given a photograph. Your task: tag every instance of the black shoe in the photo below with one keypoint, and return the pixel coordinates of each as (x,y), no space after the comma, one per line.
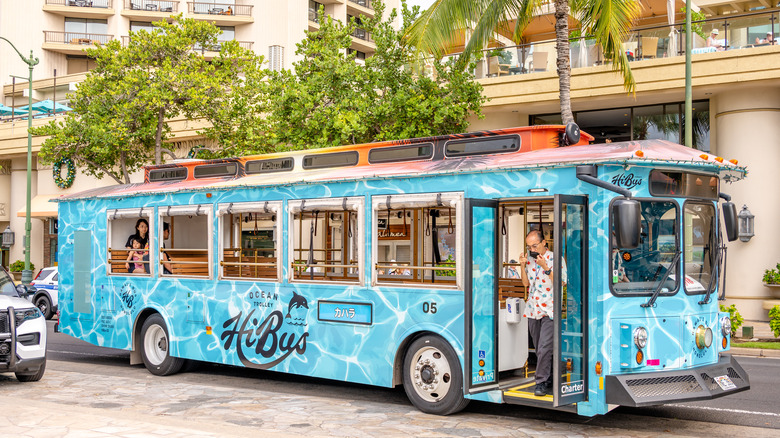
(540,390)
(548,387)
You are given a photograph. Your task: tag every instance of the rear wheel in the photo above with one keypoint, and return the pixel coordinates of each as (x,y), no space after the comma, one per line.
(433,379)
(43,303)
(155,348)
(32,377)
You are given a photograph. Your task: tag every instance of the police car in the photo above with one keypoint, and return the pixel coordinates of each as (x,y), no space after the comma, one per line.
(45,298)
(22,332)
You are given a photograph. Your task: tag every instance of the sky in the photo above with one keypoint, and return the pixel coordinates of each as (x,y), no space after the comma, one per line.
(423,4)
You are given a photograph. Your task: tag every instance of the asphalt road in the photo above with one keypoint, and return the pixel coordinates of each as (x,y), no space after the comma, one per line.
(757,407)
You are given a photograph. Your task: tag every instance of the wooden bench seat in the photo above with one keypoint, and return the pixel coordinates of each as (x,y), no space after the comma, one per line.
(234,271)
(510,288)
(189,262)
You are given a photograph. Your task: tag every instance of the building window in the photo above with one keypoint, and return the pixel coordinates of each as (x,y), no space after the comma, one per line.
(314,8)
(78,27)
(276,58)
(664,122)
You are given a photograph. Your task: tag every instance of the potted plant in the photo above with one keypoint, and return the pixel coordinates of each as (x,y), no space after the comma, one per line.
(772,280)
(17,267)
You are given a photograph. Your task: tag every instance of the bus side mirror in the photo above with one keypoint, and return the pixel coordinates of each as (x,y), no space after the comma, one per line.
(730,220)
(627,223)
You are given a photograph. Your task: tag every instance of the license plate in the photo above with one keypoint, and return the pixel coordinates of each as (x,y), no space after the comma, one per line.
(725,383)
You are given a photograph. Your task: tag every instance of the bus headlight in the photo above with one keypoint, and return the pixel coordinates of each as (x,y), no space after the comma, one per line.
(640,337)
(703,337)
(725,326)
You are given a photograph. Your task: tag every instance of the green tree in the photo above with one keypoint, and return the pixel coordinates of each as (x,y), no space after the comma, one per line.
(122,109)
(331,99)
(607,21)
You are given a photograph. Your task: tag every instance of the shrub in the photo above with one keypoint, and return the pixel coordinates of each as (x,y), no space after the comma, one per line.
(18,266)
(736,318)
(774,320)
(772,276)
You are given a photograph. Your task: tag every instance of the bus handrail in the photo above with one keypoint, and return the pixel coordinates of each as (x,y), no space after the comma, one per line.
(427,268)
(223,263)
(320,265)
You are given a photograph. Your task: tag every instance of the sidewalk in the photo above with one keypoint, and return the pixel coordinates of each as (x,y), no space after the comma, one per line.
(80,399)
(761,330)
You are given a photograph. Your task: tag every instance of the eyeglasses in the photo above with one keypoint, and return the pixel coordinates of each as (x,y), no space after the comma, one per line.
(534,246)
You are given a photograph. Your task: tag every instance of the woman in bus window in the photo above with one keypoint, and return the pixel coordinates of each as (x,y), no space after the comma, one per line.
(141,233)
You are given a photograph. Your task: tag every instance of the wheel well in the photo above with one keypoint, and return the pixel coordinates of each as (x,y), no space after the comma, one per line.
(398,362)
(135,353)
(40,294)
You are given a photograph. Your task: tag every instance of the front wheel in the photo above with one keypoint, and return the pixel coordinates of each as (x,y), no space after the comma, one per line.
(433,379)
(43,303)
(32,377)
(155,348)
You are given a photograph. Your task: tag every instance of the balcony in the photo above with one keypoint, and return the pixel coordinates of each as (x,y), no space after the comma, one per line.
(213,51)
(741,32)
(80,8)
(361,41)
(221,14)
(149,10)
(72,43)
(360,7)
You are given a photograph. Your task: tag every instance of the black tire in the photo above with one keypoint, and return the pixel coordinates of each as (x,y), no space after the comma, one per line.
(32,377)
(155,349)
(44,304)
(433,379)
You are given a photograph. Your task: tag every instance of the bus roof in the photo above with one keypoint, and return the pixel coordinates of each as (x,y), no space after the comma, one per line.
(537,147)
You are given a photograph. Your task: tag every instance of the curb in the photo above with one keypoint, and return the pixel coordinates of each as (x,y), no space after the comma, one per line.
(755,352)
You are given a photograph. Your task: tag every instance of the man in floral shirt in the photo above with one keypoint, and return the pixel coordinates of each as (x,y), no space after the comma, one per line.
(538,280)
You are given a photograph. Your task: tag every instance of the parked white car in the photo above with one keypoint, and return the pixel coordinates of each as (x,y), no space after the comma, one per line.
(45,297)
(22,332)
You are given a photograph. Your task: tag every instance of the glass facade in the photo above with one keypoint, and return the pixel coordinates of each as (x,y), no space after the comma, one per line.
(665,122)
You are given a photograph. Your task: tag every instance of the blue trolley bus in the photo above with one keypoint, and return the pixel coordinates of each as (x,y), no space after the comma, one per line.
(394,263)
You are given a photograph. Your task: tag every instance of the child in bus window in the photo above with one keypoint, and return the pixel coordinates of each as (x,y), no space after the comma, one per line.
(136,256)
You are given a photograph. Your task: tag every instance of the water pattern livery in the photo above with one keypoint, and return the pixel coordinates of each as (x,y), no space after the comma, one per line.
(280,325)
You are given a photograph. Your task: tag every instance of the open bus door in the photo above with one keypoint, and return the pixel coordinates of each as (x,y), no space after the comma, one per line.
(481,290)
(570,340)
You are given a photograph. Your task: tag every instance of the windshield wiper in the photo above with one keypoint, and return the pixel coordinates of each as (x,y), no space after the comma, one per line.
(710,287)
(658,288)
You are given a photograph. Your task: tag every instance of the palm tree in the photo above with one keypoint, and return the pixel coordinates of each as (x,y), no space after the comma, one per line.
(607,21)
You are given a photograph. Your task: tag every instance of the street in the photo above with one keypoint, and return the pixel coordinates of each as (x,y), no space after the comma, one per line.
(753,412)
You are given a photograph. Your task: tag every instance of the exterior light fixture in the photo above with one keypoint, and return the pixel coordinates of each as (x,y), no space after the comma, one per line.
(537,190)
(745,224)
(8,237)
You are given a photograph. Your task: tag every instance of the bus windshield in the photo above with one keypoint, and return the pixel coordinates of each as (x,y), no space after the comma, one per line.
(639,270)
(701,245)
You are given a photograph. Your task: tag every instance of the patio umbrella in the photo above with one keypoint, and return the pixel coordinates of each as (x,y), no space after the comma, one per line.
(47,106)
(7,111)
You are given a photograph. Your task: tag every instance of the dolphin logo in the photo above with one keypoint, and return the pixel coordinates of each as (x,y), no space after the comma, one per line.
(295,302)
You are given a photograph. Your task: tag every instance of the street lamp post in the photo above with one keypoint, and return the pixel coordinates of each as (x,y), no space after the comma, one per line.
(31,62)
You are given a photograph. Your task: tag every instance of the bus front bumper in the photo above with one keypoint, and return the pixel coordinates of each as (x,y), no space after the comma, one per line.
(700,383)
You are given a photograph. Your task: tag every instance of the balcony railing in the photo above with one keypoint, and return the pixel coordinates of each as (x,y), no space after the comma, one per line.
(82,3)
(153,5)
(737,32)
(313,16)
(219,9)
(218,46)
(361,34)
(76,38)
(364,3)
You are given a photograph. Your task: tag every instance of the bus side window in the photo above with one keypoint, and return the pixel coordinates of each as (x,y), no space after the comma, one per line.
(250,240)
(416,239)
(188,249)
(121,223)
(325,239)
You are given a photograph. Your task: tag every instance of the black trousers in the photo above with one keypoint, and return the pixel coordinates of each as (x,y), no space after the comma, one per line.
(542,332)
